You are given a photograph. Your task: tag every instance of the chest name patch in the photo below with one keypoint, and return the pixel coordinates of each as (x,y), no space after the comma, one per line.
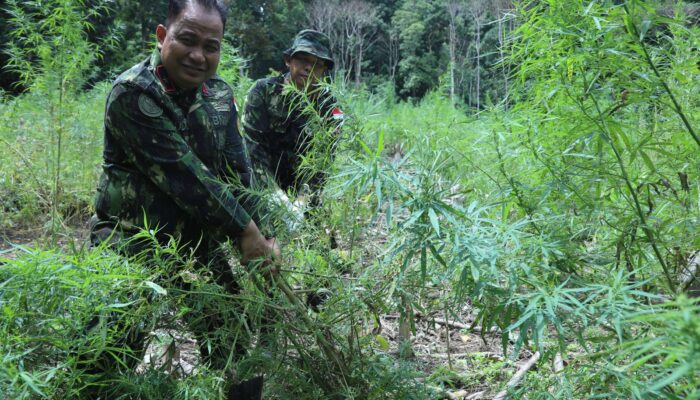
(219,119)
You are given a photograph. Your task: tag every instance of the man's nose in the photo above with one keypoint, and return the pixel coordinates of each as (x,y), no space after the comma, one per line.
(197,56)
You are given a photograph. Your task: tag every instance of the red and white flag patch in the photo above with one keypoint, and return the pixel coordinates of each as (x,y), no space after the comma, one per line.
(338,114)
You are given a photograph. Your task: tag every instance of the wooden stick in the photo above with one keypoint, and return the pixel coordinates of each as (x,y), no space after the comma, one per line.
(451,324)
(558,363)
(476,396)
(461,394)
(518,376)
(465,355)
(558,368)
(445,394)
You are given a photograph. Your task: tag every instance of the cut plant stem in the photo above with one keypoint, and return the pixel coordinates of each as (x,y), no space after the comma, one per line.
(406,320)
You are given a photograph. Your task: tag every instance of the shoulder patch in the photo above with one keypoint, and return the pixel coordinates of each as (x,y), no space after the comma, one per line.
(149,107)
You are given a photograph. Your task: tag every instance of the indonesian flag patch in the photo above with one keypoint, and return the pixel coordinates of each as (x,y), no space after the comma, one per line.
(338,114)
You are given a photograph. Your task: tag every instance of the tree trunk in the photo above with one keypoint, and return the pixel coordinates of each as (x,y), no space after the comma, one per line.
(358,63)
(502,43)
(453,58)
(477,25)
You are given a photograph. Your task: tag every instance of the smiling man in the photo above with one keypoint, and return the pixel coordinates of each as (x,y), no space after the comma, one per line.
(277,121)
(174,159)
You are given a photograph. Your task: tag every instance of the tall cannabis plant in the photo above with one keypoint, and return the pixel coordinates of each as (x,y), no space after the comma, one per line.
(51,53)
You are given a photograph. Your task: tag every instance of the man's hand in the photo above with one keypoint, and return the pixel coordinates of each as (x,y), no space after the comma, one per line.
(254,246)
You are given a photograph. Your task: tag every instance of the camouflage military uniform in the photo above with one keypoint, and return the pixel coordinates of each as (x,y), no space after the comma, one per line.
(278,132)
(167,158)
(166,154)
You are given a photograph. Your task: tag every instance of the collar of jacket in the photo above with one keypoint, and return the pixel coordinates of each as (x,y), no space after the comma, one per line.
(166,84)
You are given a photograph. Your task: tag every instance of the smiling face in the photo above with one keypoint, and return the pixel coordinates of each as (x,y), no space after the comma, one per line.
(190,47)
(305,69)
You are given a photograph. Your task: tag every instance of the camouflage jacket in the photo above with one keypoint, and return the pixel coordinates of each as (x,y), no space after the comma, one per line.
(173,161)
(278,132)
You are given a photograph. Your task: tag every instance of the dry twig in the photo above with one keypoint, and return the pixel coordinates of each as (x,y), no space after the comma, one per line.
(515,380)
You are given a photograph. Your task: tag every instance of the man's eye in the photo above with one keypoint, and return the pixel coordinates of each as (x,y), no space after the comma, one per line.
(212,49)
(186,40)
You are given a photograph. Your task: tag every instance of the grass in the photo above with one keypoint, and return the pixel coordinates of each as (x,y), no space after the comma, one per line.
(562,222)
(27,149)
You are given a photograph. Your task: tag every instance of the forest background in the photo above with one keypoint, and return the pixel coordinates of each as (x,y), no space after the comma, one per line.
(411,46)
(515,191)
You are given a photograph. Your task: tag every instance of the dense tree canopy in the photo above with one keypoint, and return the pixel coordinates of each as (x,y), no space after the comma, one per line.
(419,45)
(454,46)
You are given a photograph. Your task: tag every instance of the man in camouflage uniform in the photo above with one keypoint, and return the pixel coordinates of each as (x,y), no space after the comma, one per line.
(174,158)
(277,122)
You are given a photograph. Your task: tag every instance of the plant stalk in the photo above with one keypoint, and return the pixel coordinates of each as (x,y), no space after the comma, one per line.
(676,106)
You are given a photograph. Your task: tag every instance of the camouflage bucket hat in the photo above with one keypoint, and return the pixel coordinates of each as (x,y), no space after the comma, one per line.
(314,43)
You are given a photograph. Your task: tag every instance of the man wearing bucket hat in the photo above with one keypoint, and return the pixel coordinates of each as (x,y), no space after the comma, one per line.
(288,116)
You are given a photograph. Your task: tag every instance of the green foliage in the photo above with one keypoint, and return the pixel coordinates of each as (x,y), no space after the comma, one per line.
(564,222)
(48,300)
(262,30)
(51,53)
(421,57)
(28,151)
(49,45)
(477,370)
(415,35)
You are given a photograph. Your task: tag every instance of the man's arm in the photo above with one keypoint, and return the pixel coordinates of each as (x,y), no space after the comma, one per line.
(160,153)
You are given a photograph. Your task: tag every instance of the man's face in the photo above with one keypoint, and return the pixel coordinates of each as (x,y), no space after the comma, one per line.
(305,69)
(190,48)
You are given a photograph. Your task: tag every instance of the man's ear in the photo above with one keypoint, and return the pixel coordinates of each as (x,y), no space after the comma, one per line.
(287,60)
(161,32)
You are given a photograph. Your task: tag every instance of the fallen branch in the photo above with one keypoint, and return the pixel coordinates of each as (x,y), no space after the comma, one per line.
(458,395)
(515,380)
(558,368)
(476,396)
(451,324)
(461,394)
(486,354)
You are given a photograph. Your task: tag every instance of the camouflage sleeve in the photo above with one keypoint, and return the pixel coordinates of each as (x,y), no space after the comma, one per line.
(160,152)
(256,125)
(237,166)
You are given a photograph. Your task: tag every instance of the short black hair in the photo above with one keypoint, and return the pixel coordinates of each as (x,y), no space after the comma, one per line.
(175,8)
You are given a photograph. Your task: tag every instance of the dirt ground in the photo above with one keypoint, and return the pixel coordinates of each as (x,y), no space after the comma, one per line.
(74,232)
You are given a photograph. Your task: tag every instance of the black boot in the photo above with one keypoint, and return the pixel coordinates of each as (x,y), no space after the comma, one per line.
(318,298)
(248,390)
